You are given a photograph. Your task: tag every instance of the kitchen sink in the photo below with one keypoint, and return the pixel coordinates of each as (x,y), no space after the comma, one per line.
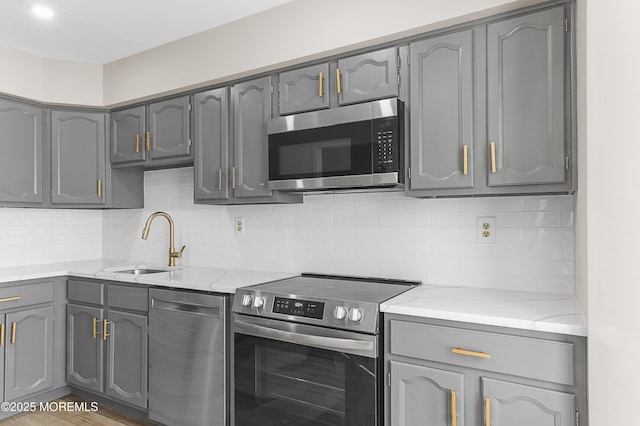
(142,271)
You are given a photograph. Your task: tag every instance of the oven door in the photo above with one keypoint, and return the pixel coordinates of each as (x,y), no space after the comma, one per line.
(294,374)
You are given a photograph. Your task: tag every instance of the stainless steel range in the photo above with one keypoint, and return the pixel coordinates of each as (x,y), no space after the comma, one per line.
(307,351)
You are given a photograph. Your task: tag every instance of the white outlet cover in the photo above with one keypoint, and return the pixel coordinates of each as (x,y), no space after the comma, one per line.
(486,230)
(238,225)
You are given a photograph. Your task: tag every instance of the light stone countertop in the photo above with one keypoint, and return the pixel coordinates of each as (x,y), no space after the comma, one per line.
(548,312)
(221,280)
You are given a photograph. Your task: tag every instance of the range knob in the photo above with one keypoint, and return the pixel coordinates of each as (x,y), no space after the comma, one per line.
(258,302)
(340,312)
(246,300)
(355,314)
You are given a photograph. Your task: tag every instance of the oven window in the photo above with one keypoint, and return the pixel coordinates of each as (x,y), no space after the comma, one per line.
(340,150)
(279,383)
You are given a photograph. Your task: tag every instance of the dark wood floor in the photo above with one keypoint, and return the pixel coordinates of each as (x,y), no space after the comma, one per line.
(102,417)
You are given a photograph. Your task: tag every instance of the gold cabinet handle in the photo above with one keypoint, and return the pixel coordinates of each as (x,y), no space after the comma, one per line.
(339,84)
(233,178)
(14,327)
(461,351)
(137,142)
(454,409)
(321,78)
(2,334)
(487,412)
(493,157)
(95,327)
(11,299)
(99,188)
(219,179)
(148,141)
(465,160)
(105,323)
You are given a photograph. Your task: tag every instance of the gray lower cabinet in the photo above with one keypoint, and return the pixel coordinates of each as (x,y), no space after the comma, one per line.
(21,165)
(526,113)
(78,166)
(441,100)
(152,136)
(107,340)
(448,373)
(359,78)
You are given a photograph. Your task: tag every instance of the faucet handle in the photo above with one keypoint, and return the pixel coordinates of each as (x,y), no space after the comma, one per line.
(178,253)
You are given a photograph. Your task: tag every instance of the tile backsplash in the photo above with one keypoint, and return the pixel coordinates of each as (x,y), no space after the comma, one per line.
(373,234)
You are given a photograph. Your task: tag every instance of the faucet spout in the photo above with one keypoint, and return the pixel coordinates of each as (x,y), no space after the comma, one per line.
(173,255)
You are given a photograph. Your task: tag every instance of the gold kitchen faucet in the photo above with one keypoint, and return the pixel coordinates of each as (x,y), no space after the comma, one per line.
(173,255)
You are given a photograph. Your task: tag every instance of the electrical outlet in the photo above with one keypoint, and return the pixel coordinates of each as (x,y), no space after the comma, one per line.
(486,230)
(238,225)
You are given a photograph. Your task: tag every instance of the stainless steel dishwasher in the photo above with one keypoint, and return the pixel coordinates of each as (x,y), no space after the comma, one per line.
(187,358)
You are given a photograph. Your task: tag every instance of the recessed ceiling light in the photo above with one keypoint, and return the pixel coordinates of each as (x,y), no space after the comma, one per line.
(42,11)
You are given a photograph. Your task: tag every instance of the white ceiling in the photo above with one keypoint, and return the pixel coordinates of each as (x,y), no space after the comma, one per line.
(101,31)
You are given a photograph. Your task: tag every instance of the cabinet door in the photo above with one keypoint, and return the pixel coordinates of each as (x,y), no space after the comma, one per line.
(368,76)
(127,357)
(304,89)
(251,110)
(21,168)
(29,352)
(526,111)
(211,133)
(128,141)
(423,395)
(77,158)
(510,404)
(85,363)
(169,128)
(442,112)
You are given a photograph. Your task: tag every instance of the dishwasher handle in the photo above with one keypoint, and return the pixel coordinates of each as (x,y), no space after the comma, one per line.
(187,308)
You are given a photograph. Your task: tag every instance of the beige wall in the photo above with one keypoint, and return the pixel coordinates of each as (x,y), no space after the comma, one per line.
(612,209)
(296,31)
(48,80)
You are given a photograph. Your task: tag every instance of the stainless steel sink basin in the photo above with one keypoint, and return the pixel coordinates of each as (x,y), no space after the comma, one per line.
(142,271)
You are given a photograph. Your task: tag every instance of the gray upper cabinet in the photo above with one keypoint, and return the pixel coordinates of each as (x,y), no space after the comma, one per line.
(526,99)
(304,89)
(128,135)
(441,100)
(506,404)
(423,395)
(372,75)
(29,354)
(169,129)
(211,134)
(78,167)
(251,110)
(152,136)
(21,165)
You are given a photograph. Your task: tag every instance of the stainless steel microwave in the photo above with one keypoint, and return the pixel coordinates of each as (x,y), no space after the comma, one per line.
(356,146)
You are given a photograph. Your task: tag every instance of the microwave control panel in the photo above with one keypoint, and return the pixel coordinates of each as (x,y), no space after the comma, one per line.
(297,307)
(386,145)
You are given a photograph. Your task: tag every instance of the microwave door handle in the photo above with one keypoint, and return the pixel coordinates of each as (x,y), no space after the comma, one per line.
(323,342)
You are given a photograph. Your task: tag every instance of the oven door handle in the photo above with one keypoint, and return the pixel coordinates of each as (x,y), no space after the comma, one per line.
(338,344)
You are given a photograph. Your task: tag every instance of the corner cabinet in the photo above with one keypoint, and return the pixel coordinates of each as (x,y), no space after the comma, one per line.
(490,108)
(21,165)
(447,373)
(108,340)
(78,165)
(230,129)
(153,135)
(32,336)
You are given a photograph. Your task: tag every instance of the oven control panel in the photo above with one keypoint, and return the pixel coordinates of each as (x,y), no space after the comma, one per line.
(298,307)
